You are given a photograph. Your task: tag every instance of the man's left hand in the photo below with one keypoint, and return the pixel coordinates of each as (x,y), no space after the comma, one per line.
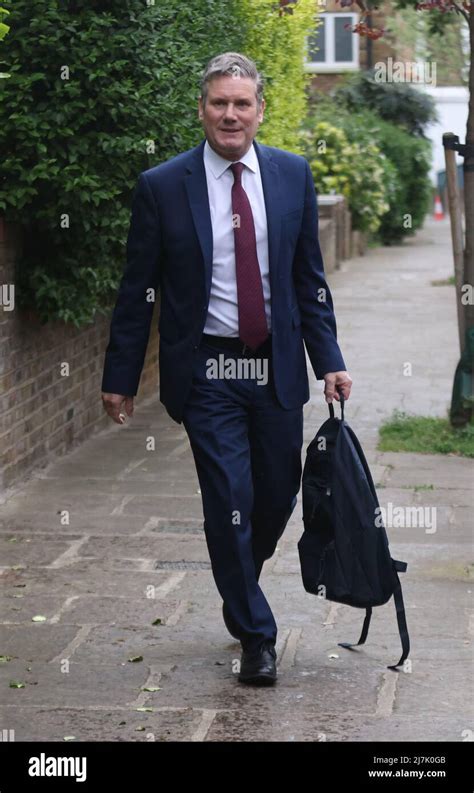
(335,383)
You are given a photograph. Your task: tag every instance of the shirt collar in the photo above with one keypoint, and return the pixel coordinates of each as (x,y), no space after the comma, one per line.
(218,164)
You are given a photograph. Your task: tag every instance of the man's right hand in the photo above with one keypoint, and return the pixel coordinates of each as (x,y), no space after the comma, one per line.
(113,404)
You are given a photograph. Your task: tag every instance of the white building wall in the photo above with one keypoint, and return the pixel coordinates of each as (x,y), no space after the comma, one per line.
(452,108)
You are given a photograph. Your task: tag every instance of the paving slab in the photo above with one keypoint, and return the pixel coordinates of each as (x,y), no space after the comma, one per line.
(133,553)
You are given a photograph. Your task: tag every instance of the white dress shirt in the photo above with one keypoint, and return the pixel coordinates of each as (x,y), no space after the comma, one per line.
(222,316)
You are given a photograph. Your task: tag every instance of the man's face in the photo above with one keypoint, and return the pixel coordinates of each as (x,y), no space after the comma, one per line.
(230,117)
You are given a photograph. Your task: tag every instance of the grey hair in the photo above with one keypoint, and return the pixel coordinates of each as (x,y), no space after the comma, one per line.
(236,65)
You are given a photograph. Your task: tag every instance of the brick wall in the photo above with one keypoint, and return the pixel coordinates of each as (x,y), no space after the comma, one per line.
(42,413)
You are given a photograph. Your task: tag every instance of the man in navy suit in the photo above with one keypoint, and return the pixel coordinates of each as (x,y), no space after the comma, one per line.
(228,233)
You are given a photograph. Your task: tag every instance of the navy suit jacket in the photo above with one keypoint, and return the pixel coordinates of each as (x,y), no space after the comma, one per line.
(169,253)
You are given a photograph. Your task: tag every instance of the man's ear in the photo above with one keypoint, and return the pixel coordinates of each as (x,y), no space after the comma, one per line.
(200,108)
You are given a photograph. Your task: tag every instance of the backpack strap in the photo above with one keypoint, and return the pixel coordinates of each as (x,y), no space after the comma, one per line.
(400,567)
(363,635)
(341,402)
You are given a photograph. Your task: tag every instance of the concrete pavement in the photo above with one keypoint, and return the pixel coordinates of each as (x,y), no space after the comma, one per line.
(107,544)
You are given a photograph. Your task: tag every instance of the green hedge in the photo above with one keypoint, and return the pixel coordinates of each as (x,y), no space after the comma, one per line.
(389,166)
(4,28)
(400,103)
(71,149)
(410,202)
(277,43)
(352,166)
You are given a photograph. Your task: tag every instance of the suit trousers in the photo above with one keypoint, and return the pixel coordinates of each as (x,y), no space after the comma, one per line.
(247,452)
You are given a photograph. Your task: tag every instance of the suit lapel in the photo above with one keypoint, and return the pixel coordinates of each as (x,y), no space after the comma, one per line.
(270,174)
(196,187)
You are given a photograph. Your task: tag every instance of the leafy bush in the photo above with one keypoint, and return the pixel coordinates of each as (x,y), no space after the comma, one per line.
(410,202)
(100,90)
(4,28)
(354,167)
(73,144)
(403,158)
(277,43)
(400,103)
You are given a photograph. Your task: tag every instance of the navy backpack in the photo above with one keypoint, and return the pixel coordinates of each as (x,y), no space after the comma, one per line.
(344,547)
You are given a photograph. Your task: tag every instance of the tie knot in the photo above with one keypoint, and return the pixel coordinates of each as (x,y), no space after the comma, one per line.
(237,168)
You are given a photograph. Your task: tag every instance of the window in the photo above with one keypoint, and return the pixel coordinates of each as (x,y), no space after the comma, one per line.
(333,47)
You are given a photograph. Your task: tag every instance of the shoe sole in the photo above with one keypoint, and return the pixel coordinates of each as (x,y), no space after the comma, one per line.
(258,680)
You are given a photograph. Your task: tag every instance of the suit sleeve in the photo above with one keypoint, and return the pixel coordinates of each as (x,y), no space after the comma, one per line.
(131,318)
(318,321)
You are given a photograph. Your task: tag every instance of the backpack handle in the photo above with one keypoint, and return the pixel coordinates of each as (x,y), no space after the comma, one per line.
(331,408)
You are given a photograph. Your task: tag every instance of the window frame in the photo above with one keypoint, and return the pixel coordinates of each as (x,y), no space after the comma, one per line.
(331,65)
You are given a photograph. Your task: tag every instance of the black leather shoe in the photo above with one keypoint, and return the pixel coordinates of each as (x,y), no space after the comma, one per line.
(229,623)
(259,668)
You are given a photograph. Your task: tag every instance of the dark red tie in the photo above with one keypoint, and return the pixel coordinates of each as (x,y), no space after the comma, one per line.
(253,328)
